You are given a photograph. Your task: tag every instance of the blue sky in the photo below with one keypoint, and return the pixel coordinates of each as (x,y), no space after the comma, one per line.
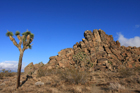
(59,24)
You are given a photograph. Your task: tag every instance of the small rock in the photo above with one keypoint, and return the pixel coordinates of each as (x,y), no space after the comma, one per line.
(88,88)
(2,84)
(77,89)
(39,83)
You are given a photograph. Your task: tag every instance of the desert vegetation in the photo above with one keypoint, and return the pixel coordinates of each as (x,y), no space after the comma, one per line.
(73,76)
(95,65)
(7,73)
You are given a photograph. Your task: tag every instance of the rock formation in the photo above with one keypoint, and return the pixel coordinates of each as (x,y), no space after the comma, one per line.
(97,51)
(31,68)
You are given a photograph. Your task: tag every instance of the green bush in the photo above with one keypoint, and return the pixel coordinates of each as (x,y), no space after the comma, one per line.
(82,57)
(79,56)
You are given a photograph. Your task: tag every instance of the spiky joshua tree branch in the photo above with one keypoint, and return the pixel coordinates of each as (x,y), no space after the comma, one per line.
(26,40)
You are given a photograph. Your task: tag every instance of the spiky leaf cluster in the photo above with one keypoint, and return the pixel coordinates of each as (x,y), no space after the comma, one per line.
(28,33)
(24,39)
(32,35)
(17,33)
(30,47)
(23,33)
(9,34)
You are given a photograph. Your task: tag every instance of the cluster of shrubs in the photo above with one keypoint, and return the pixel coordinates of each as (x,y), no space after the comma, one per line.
(74,74)
(127,72)
(6,73)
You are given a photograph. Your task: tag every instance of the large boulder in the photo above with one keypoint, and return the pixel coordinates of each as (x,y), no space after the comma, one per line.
(29,69)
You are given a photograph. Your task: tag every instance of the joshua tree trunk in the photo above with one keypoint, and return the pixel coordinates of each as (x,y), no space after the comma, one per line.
(19,68)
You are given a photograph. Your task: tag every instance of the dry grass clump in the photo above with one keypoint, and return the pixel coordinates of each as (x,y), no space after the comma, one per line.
(1,75)
(125,72)
(6,73)
(137,70)
(41,72)
(72,75)
(130,75)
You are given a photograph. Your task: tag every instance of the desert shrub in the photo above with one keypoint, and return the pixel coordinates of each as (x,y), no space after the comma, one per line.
(51,72)
(46,72)
(41,72)
(3,70)
(137,69)
(6,73)
(133,79)
(1,75)
(110,62)
(79,57)
(137,80)
(125,72)
(74,75)
(41,63)
(82,57)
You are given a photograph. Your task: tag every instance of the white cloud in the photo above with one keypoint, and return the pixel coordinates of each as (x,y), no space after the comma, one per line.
(129,42)
(11,61)
(10,65)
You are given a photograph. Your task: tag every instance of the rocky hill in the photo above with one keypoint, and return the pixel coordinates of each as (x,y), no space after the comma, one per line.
(97,51)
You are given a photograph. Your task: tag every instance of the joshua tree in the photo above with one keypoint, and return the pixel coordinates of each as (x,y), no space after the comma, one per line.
(26,40)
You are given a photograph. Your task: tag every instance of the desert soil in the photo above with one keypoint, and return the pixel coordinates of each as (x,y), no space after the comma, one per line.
(98,82)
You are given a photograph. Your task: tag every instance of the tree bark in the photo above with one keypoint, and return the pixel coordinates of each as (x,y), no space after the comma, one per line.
(19,68)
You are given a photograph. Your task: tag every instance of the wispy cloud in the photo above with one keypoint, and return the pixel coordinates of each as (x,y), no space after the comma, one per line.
(129,42)
(137,26)
(10,65)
